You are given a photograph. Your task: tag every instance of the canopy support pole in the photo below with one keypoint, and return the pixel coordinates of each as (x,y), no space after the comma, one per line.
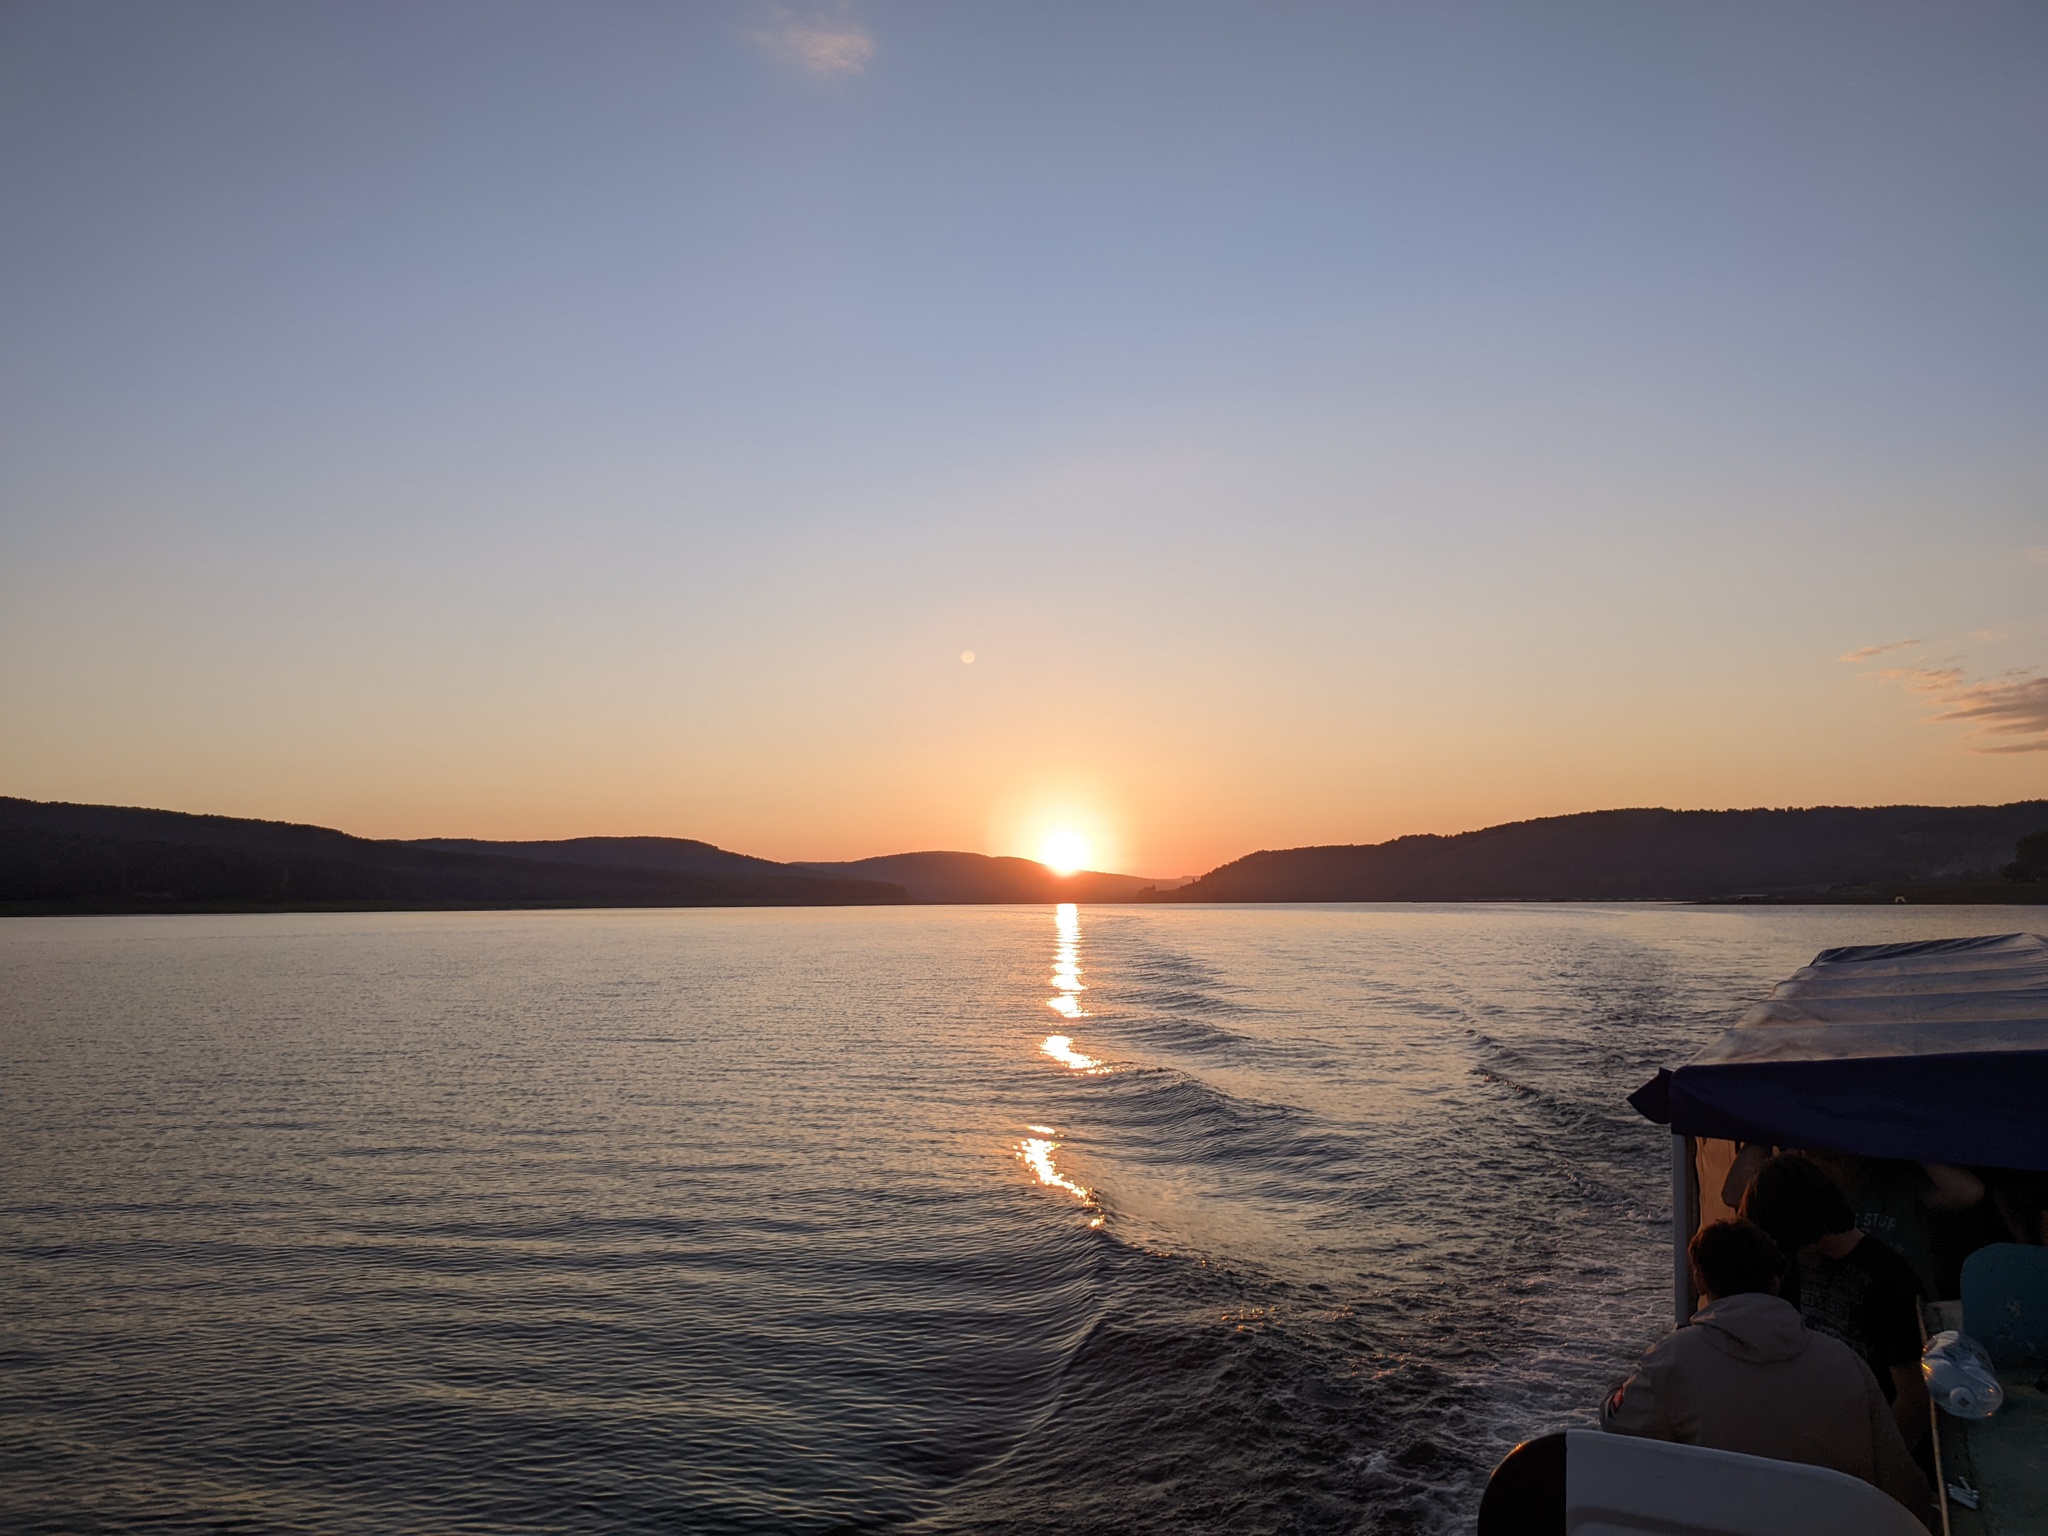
(1684,1217)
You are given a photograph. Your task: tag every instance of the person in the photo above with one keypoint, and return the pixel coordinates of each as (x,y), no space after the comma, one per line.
(1846,1283)
(1747,1375)
(2021,1198)
(1749,1157)
(1893,1199)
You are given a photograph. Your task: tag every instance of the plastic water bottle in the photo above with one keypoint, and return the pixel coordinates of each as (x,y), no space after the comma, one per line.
(1960,1376)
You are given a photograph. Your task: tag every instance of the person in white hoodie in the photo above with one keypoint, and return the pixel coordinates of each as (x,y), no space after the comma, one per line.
(1748,1375)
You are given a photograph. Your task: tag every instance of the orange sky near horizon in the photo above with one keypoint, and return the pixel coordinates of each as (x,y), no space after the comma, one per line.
(994,757)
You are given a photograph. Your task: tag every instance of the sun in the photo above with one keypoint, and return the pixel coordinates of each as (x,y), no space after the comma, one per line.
(1063,852)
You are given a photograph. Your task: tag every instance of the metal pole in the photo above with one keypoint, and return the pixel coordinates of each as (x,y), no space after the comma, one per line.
(1934,1432)
(1682,1204)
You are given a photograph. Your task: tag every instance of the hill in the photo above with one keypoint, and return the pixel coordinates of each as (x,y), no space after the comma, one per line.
(971,877)
(59,857)
(680,855)
(927,877)
(1829,853)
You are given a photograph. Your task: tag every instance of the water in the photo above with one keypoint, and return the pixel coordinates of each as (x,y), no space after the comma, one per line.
(921,1220)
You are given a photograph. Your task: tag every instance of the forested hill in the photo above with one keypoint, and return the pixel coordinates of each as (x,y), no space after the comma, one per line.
(926,877)
(978,877)
(106,858)
(59,857)
(101,858)
(1825,853)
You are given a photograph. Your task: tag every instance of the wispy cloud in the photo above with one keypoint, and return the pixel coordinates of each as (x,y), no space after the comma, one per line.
(2014,707)
(2036,556)
(826,40)
(2009,713)
(1869,651)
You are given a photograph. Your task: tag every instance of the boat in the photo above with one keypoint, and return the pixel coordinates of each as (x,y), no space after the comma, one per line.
(1933,1052)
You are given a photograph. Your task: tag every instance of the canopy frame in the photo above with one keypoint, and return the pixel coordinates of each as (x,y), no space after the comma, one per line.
(1931,1052)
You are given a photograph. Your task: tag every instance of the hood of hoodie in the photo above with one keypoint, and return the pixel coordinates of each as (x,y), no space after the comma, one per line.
(1754,1327)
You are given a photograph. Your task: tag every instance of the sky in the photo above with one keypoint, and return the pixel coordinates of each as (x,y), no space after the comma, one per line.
(1319,423)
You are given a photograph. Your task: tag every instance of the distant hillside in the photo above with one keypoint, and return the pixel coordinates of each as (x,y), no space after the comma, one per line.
(58,857)
(676,854)
(963,877)
(1827,853)
(55,856)
(927,877)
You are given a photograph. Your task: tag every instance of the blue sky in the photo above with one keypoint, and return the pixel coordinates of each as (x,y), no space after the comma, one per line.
(1321,422)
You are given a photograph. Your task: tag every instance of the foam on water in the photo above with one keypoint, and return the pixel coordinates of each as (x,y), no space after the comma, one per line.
(934,1220)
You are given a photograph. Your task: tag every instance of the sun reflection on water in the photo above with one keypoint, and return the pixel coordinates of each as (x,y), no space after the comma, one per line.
(1061,1049)
(1066,963)
(1037,1151)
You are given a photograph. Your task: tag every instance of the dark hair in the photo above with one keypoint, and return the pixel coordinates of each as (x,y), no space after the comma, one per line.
(1794,1201)
(1734,1258)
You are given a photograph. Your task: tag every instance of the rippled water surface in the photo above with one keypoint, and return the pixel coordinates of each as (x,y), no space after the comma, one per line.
(930,1220)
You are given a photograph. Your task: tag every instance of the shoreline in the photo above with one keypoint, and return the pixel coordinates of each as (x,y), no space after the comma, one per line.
(2004,895)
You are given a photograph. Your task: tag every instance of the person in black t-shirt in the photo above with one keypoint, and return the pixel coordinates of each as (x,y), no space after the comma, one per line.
(1856,1289)
(1846,1283)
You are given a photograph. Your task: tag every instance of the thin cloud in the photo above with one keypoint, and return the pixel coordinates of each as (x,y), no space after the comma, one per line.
(1924,679)
(2014,707)
(2037,556)
(2009,713)
(1869,651)
(824,42)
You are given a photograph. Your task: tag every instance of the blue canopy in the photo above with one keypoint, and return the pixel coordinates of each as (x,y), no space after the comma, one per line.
(1935,1052)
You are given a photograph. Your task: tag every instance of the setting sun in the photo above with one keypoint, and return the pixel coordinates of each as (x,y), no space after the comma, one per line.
(1063,852)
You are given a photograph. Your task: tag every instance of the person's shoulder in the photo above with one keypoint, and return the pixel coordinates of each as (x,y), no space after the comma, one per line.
(1674,1346)
(1674,1340)
(1828,1354)
(1826,1347)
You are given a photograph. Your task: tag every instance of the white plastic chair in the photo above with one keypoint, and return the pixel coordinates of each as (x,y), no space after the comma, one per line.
(1620,1485)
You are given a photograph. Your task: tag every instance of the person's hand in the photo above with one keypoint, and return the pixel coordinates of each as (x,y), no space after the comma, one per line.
(1955,1189)
(1909,1403)
(1742,1173)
